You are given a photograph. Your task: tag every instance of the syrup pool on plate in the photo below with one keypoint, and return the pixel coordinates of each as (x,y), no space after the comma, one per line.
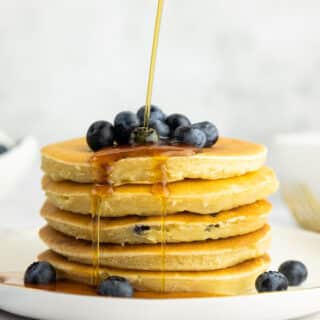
(71,287)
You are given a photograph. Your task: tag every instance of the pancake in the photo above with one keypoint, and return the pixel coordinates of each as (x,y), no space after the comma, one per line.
(183,227)
(194,256)
(70,160)
(197,196)
(236,280)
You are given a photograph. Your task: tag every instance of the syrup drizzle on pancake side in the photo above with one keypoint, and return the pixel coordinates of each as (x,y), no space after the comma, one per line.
(162,191)
(98,193)
(104,168)
(101,164)
(102,161)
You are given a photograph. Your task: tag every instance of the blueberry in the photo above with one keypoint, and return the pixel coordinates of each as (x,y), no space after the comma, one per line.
(161,127)
(155,114)
(100,134)
(115,286)
(3,149)
(177,120)
(295,271)
(191,136)
(210,130)
(40,273)
(271,281)
(209,227)
(125,122)
(142,135)
(140,229)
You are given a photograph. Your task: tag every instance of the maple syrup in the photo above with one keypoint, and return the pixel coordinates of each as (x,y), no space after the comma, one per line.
(164,191)
(98,193)
(161,190)
(153,62)
(102,162)
(71,287)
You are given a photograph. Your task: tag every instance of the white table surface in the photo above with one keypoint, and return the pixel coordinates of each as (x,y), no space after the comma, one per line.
(20,210)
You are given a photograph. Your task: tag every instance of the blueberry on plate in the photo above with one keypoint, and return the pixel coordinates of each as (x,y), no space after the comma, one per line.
(190,136)
(40,273)
(124,123)
(210,130)
(100,134)
(115,286)
(271,281)
(155,114)
(3,149)
(177,120)
(295,271)
(161,127)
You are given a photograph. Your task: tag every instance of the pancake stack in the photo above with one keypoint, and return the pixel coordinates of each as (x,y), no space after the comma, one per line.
(170,220)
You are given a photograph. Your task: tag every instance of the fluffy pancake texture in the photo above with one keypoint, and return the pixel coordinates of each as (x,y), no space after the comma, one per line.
(182,227)
(70,160)
(195,256)
(198,196)
(170,219)
(239,279)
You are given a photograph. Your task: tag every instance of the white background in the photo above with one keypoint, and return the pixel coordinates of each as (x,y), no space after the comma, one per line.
(252,67)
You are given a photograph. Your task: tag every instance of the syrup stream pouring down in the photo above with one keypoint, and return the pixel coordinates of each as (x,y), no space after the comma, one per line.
(101,165)
(101,191)
(153,62)
(164,191)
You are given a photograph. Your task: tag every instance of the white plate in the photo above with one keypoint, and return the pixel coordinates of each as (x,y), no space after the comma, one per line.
(18,250)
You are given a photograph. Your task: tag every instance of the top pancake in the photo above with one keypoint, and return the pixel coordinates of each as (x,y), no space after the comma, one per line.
(70,160)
